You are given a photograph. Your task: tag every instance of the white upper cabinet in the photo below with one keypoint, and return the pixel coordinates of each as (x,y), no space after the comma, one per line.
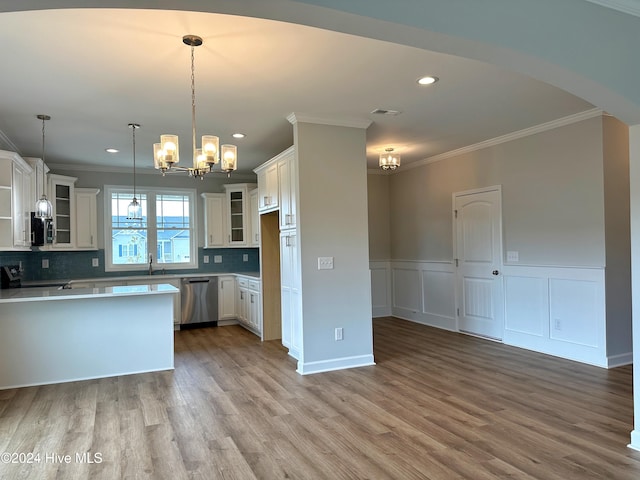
(287,178)
(15,202)
(86,200)
(254,214)
(214,221)
(267,187)
(238,214)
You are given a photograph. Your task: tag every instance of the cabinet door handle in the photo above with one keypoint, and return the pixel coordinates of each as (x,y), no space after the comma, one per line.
(210,239)
(252,298)
(229,238)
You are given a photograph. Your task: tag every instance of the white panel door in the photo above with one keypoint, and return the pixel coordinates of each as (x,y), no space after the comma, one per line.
(479,284)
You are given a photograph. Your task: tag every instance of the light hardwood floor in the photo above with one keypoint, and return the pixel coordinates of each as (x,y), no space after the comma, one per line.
(437,405)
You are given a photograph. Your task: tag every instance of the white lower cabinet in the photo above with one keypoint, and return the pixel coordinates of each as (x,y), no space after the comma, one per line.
(291,313)
(227,297)
(249,308)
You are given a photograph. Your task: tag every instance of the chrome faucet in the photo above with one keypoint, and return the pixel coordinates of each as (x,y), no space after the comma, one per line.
(150,264)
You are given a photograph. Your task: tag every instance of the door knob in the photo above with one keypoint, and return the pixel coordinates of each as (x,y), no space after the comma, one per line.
(495,272)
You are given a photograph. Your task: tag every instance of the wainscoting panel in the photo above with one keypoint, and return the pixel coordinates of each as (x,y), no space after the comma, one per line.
(526,305)
(556,310)
(380,288)
(559,311)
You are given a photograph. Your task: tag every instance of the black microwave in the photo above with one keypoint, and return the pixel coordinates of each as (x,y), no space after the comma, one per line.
(41,231)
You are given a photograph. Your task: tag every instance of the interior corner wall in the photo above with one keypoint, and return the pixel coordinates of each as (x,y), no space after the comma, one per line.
(552,198)
(332,222)
(617,236)
(379,236)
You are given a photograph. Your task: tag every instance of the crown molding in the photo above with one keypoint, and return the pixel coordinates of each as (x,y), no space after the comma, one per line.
(322,120)
(543,127)
(630,7)
(7,144)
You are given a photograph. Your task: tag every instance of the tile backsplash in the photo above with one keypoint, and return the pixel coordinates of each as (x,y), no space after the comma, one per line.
(64,266)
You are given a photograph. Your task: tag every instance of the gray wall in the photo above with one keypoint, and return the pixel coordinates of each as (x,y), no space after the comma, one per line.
(618,236)
(553,198)
(332,215)
(379,234)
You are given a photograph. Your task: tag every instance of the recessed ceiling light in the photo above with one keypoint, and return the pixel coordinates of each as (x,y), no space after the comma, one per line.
(111,150)
(238,135)
(428,80)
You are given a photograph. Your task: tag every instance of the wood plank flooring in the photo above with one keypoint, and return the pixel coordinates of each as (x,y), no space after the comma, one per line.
(438,405)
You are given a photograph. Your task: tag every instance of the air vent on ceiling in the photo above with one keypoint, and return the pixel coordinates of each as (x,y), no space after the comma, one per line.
(384,111)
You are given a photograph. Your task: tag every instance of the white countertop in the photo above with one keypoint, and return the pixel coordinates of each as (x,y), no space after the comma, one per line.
(13,295)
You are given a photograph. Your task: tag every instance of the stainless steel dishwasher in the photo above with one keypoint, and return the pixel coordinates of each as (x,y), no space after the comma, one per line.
(199,297)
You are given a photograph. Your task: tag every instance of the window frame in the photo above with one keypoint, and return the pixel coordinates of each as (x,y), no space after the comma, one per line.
(152,228)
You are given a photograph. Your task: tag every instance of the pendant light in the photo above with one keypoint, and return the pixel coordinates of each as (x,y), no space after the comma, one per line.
(166,154)
(389,160)
(44,209)
(134,209)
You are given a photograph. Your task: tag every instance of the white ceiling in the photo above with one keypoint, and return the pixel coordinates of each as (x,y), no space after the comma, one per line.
(95,71)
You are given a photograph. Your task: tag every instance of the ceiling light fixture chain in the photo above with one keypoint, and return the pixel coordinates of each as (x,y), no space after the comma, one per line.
(166,153)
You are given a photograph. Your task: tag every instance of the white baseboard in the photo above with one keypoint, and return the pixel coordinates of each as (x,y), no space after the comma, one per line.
(378,312)
(635,440)
(620,360)
(308,368)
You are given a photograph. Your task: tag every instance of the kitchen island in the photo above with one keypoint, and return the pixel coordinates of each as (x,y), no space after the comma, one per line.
(50,335)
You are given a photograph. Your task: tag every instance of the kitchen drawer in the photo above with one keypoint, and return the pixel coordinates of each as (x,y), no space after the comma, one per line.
(254,285)
(243,282)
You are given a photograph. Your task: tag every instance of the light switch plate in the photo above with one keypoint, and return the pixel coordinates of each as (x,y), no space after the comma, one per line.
(512,256)
(45,263)
(206,259)
(95,262)
(325,263)
(245,257)
(217,259)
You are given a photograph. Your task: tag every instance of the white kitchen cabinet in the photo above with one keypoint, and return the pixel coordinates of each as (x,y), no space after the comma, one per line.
(86,200)
(214,220)
(288,181)
(242,305)
(237,215)
(38,178)
(15,202)
(21,193)
(267,187)
(290,293)
(254,214)
(227,297)
(62,196)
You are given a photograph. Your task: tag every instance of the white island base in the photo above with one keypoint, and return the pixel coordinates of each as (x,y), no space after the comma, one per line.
(53,336)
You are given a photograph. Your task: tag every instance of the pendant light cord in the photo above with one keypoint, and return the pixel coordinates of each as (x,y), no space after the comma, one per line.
(193,107)
(134,161)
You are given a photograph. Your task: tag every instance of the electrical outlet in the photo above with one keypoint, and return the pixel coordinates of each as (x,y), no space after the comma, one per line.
(45,263)
(325,263)
(513,256)
(206,259)
(95,262)
(557,324)
(245,257)
(339,334)
(217,259)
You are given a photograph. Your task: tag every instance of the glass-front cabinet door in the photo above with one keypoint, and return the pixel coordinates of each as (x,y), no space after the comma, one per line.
(64,215)
(237,213)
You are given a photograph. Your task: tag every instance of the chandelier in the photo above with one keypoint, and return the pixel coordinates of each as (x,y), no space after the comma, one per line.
(389,160)
(44,209)
(166,154)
